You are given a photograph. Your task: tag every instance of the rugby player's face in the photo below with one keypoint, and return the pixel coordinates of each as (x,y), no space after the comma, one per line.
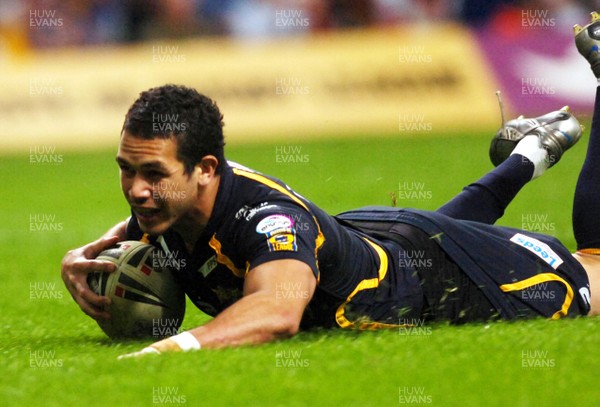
(154,183)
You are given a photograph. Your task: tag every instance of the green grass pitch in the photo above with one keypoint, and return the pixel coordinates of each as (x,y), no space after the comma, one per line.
(53,355)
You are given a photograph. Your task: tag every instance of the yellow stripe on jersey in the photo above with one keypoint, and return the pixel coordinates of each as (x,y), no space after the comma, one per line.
(365,323)
(145,238)
(272,184)
(542,278)
(223,259)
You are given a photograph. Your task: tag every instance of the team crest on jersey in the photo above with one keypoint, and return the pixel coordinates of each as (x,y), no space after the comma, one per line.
(282,242)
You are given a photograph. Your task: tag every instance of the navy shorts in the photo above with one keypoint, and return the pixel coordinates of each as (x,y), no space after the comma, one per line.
(448,293)
(479,271)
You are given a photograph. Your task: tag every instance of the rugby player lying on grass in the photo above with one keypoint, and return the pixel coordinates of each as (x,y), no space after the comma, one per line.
(266,262)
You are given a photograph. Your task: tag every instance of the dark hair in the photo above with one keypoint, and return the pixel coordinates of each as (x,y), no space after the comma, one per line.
(177,111)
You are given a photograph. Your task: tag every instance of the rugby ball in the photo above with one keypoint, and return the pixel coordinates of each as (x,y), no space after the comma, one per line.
(146,301)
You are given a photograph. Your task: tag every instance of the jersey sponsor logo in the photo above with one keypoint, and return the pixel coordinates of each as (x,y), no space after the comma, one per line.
(248,213)
(209,266)
(274,224)
(282,242)
(540,249)
(242,212)
(585,294)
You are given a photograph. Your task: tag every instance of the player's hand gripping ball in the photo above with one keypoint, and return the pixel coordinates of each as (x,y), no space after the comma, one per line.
(146,301)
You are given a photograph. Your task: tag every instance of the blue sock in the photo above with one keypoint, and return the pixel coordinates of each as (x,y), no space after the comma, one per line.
(586,205)
(485,200)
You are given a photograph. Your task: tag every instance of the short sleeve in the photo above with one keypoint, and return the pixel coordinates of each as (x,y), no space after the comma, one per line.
(279,232)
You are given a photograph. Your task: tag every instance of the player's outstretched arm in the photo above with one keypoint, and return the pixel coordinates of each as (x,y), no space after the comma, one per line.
(275,296)
(78,263)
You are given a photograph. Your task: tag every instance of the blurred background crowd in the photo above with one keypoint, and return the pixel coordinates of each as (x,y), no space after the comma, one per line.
(90,22)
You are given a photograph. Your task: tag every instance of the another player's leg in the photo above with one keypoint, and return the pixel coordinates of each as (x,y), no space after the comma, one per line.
(586,205)
(523,150)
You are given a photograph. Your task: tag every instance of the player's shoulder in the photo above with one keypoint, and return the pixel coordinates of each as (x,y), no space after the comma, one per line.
(266,205)
(267,230)
(273,223)
(256,181)
(244,172)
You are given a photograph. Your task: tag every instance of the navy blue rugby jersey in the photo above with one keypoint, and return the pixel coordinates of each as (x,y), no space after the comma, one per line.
(256,219)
